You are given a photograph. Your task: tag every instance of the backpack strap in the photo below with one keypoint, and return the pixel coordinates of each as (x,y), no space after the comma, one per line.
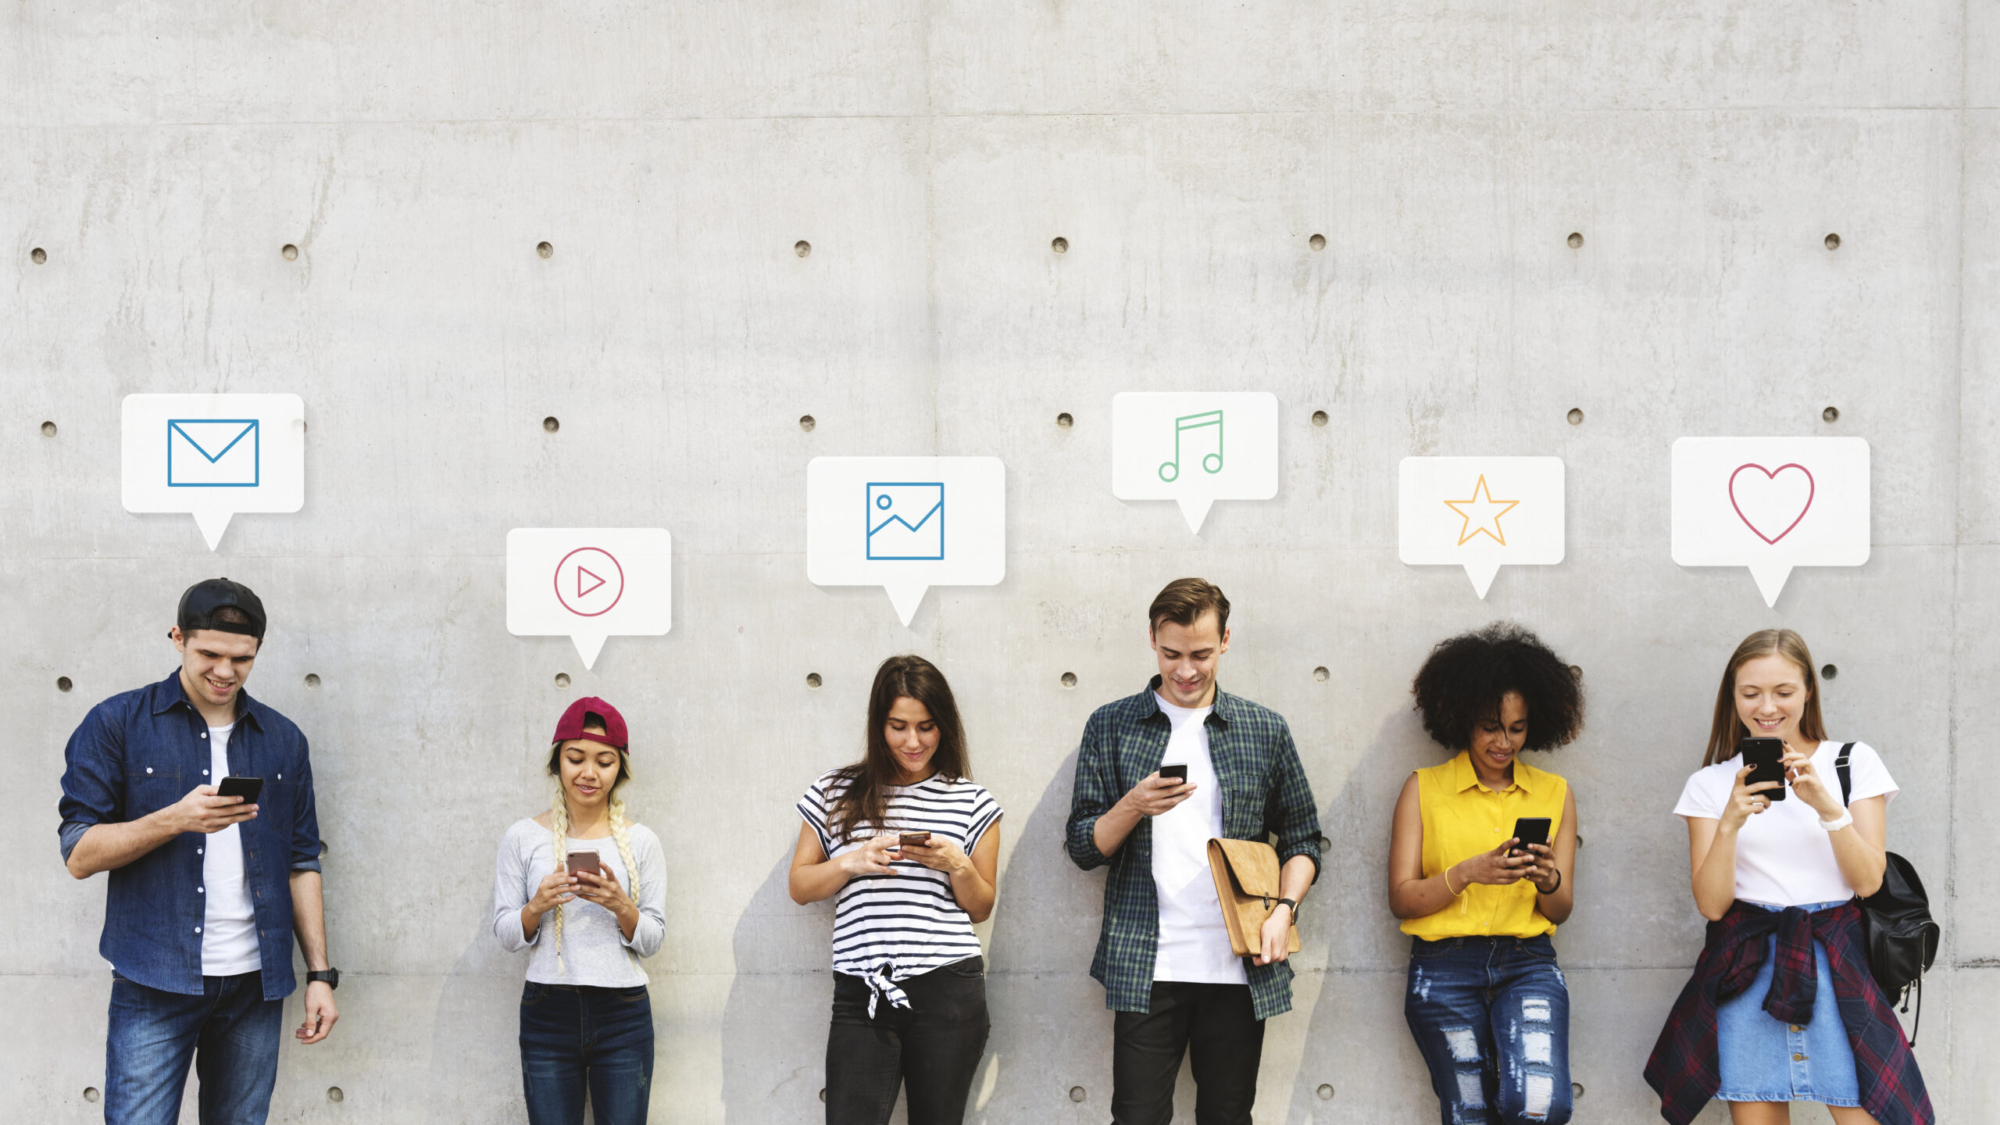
(1846,775)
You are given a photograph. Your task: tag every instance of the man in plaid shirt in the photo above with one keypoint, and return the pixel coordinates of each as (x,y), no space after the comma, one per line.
(1163,954)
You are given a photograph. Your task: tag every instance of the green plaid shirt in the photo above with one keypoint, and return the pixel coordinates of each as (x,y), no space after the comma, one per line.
(1264,793)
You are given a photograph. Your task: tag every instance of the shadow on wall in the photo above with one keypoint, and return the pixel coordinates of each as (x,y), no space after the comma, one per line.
(478,1021)
(774,1022)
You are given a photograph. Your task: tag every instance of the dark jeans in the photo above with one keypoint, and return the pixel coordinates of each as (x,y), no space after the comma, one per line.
(1491,1016)
(931,1047)
(1216,1026)
(230,1031)
(575,1035)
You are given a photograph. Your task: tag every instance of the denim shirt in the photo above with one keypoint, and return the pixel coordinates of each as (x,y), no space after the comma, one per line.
(141,751)
(1264,795)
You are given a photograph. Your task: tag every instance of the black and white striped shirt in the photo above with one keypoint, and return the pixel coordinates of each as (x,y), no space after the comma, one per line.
(893,927)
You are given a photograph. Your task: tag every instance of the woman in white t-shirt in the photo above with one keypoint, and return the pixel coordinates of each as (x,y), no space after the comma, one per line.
(1776,869)
(909,991)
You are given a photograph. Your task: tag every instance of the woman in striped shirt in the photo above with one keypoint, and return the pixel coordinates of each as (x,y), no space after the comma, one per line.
(906,844)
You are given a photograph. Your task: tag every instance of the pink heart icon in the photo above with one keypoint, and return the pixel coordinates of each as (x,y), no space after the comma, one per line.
(1771,475)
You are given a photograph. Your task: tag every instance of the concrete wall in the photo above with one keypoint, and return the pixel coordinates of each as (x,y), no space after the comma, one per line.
(160,155)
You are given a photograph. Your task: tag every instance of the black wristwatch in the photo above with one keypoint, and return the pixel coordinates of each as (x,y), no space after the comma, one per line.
(1293,905)
(330,976)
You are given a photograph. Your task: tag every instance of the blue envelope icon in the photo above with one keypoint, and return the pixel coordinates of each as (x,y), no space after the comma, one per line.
(906,520)
(213,453)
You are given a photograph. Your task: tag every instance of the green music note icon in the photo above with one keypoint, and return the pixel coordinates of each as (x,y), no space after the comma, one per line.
(1170,471)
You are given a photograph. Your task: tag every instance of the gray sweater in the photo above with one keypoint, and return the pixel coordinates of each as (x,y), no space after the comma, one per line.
(594,950)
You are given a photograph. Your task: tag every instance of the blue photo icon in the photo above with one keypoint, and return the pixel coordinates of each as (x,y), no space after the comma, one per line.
(906,521)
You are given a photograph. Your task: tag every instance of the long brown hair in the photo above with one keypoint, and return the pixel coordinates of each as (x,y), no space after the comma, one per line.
(1728,728)
(862,800)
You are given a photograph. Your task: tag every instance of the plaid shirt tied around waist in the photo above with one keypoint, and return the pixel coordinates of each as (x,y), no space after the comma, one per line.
(1264,794)
(1684,1068)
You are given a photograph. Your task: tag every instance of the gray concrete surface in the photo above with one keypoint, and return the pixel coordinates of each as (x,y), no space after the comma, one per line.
(160,155)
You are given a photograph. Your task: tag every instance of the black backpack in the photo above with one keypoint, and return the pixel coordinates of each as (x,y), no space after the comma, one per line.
(1896,925)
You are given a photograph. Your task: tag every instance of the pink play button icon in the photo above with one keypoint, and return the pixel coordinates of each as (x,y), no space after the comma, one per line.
(596,579)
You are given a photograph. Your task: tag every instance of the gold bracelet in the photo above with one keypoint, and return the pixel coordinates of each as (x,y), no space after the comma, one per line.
(1447,883)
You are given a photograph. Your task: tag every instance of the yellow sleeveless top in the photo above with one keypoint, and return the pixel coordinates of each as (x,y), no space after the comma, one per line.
(1463,818)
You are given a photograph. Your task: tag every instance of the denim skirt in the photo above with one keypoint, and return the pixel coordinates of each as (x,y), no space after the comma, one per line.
(1764,1059)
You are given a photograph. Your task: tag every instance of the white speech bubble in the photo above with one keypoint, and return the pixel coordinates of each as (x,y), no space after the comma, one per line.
(906,524)
(213,456)
(1770,504)
(1194,448)
(1481,513)
(589,583)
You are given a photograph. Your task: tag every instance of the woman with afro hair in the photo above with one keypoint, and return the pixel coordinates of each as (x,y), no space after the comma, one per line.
(1486,1002)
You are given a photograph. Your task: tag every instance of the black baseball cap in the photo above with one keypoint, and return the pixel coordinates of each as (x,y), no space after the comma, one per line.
(202,599)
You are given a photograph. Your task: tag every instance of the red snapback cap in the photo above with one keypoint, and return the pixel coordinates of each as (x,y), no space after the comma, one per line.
(572,721)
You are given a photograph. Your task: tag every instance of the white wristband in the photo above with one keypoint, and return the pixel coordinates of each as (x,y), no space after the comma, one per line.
(1846,818)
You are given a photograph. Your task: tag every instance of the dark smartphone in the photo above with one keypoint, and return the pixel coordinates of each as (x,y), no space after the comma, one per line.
(1530,830)
(916,839)
(1763,756)
(244,787)
(1175,772)
(583,861)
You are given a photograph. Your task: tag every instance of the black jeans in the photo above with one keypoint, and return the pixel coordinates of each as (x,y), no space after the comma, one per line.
(1216,1026)
(932,1047)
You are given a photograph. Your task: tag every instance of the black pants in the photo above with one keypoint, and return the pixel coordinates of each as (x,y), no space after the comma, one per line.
(1216,1026)
(932,1047)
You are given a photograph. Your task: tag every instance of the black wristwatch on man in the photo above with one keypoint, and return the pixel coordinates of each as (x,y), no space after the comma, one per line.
(330,976)
(1290,903)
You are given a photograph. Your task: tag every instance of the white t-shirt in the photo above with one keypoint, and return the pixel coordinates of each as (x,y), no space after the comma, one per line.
(229,925)
(1194,942)
(1783,856)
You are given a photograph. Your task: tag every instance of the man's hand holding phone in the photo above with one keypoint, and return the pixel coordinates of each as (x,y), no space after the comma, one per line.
(1156,794)
(203,811)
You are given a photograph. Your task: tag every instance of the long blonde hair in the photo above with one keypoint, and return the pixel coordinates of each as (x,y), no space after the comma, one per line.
(559,827)
(1727,729)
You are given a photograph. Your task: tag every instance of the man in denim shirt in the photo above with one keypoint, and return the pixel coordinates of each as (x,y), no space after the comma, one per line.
(206,892)
(1164,954)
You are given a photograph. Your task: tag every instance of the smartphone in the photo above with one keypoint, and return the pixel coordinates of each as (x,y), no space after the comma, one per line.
(244,787)
(1175,772)
(1530,830)
(913,839)
(584,861)
(1763,756)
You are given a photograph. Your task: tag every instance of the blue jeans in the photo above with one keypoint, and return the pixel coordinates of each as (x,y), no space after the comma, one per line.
(573,1036)
(1491,1016)
(230,1032)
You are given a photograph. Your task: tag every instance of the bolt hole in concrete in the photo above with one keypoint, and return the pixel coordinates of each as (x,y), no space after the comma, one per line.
(813,680)
(806,422)
(48,429)
(1579,840)
(1325,1093)
(1061,246)
(1069,679)
(550,424)
(1320,673)
(1576,671)
(1076,1093)
(333,1094)
(39,255)
(1575,416)
(545,249)
(1319,417)
(1317,242)
(562,679)
(90,1093)
(1833,242)
(1830,414)
(312,681)
(1576,1089)
(63,683)
(1065,421)
(822,1093)
(1828,672)
(290,252)
(1575,240)
(802,248)
(1325,845)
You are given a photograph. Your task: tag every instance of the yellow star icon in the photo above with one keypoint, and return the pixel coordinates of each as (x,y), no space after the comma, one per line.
(1483,507)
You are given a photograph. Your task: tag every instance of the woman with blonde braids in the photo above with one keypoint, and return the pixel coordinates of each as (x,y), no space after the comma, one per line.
(586,1018)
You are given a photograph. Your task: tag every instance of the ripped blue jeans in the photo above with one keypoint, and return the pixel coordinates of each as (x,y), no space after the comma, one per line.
(1491,1015)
